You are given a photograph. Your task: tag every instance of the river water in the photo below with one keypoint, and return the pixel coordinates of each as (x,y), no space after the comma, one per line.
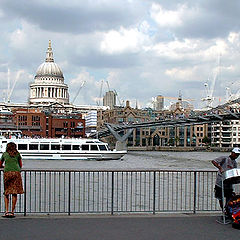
(133,191)
(139,160)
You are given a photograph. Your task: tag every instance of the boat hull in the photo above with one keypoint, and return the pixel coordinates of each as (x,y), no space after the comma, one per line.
(63,149)
(74,156)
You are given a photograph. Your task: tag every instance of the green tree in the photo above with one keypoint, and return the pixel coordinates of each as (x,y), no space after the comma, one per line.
(206,140)
(171,142)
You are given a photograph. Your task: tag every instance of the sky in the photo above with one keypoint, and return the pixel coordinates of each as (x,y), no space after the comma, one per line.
(138,48)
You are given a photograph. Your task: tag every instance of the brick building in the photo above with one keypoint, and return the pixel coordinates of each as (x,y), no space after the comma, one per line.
(35,123)
(66,125)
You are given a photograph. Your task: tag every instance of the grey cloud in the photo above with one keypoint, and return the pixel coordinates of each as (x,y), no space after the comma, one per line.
(75,19)
(205,19)
(107,61)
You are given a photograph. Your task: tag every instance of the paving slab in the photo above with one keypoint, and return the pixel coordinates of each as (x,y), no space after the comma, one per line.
(117,227)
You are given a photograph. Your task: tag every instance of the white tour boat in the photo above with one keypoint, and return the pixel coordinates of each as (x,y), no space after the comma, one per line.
(62,149)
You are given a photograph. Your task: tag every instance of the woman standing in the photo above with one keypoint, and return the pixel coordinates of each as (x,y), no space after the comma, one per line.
(12,176)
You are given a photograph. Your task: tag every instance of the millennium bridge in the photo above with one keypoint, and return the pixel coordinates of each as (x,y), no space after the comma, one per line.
(227,111)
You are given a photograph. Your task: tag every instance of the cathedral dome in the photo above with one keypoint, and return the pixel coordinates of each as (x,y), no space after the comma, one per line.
(49,69)
(48,86)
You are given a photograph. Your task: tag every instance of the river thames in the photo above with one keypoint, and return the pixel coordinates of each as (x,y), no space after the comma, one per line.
(124,185)
(139,160)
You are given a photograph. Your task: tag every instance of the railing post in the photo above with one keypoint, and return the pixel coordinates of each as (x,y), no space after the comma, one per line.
(69,193)
(25,193)
(112,202)
(154,192)
(195,193)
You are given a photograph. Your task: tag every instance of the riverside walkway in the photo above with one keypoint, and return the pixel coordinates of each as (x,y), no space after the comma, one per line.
(117,227)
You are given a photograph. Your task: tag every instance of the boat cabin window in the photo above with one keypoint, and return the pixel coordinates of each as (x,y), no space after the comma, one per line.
(33,146)
(85,147)
(102,148)
(75,147)
(44,146)
(22,146)
(55,147)
(94,147)
(66,147)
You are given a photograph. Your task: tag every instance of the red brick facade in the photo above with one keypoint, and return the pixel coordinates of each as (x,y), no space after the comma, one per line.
(34,123)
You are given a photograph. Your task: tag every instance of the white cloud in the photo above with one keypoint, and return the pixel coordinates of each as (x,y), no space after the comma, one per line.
(18,39)
(185,74)
(84,76)
(220,47)
(84,85)
(124,40)
(233,37)
(144,27)
(176,49)
(166,17)
(114,79)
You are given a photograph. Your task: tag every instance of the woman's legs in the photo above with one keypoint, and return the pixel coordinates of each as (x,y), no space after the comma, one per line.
(6,200)
(14,201)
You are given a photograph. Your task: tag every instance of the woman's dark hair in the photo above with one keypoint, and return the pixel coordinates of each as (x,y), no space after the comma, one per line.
(12,149)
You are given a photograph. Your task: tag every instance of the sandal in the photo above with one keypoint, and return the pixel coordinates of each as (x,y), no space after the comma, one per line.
(11,215)
(6,215)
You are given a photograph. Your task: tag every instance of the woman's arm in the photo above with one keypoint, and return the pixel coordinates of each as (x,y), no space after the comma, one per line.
(1,162)
(20,162)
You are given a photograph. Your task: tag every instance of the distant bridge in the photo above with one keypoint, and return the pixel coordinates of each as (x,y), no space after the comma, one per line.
(219,113)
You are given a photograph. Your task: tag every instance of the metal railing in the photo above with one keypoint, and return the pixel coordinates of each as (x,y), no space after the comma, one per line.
(111,191)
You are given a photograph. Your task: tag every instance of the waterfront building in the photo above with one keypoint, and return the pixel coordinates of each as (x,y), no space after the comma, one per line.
(122,115)
(67,126)
(226,133)
(91,122)
(35,123)
(109,99)
(156,136)
(6,119)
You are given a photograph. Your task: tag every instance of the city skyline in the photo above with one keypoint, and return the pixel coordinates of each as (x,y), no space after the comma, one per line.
(141,48)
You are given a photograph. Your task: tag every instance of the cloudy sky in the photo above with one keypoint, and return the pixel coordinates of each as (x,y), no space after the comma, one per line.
(142,48)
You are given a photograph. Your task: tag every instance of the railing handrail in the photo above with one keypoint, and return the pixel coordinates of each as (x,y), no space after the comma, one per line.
(114,170)
(116,190)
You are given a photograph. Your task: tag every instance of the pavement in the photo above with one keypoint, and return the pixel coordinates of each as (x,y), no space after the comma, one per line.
(116,227)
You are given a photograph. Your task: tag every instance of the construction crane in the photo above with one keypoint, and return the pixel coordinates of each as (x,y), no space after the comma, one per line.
(209,90)
(79,89)
(10,91)
(179,98)
(119,101)
(100,93)
(230,95)
(108,85)
(108,88)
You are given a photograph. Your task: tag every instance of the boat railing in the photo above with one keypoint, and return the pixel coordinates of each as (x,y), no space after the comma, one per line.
(115,191)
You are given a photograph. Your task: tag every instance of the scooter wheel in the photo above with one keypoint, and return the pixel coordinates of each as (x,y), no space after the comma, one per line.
(236,225)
